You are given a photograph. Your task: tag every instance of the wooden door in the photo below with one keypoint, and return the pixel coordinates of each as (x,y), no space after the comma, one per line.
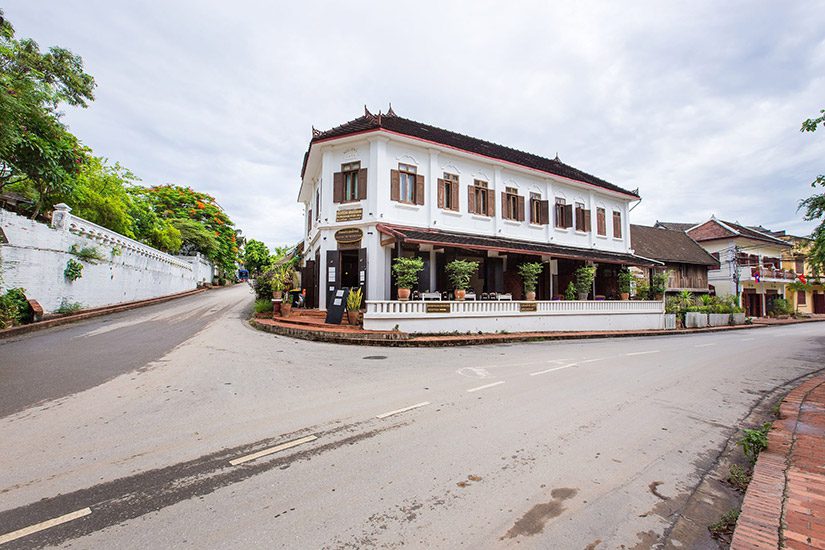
(332,277)
(819,302)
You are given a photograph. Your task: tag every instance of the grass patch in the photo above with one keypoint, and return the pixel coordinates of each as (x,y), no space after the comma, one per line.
(67,307)
(739,477)
(263,306)
(723,529)
(755,441)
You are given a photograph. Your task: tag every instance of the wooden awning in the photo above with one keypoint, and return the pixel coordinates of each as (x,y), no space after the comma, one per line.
(439,238)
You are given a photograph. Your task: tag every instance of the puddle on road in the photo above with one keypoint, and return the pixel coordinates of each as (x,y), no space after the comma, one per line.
(533,522)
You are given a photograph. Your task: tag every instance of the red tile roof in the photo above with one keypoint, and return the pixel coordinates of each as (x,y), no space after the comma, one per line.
(668,246)
(399,125)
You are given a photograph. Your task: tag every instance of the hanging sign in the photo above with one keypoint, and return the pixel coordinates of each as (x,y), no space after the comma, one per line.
(349,215)
(349,235)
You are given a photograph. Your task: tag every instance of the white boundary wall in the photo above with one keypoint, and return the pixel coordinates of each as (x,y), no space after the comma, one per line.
(512,316)
(36,255)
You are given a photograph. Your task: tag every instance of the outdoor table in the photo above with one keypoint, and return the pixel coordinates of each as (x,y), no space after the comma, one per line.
(431,296)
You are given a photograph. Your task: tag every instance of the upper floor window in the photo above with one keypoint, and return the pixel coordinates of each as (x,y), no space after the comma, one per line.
(448,192)
(799,266)
(617,225)
(582,218)
(564,214)
(539,210)
(601,222)
(318,203)
(478,199)
(350,184)
(406,186)
(512,205)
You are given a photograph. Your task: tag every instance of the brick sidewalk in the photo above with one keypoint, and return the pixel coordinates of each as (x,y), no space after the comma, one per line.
(785,502)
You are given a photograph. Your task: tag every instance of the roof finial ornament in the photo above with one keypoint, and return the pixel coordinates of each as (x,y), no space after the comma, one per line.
(367,112)
(557,159)
(315,133)
(391,112)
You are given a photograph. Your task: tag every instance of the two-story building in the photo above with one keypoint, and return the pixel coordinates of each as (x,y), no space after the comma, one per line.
(795,260)
(382,186)
(685,261)
(749,263)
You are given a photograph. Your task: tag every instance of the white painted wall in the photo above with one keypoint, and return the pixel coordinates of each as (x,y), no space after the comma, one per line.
(381,152)
(36,257)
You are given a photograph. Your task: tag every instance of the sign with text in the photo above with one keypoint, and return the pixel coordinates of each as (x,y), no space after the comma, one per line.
(435,307)
(349,215)
(349,235)
(528,306)
(337,305)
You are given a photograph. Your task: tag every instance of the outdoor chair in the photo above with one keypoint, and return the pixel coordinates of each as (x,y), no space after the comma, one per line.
(485,296)
(505,297)
(415,295)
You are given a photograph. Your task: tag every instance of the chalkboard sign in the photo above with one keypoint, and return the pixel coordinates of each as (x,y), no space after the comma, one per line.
(336,306)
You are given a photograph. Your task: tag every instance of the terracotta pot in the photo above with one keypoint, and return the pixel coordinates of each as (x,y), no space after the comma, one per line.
(355,318)
(276,309)
(286,309)
(277,294)
(460,293)
(531,296)
(403,294)
(625,295)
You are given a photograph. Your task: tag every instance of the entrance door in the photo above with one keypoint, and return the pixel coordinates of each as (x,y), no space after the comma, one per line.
(819,302)
(752,303)
(349,269)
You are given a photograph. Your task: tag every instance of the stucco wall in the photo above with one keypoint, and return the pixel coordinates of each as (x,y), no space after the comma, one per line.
(36,256)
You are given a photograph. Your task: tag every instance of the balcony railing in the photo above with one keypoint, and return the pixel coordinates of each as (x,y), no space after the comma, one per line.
(393,308)
(769,273)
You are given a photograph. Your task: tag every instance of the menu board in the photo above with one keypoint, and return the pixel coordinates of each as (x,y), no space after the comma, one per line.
(336,306)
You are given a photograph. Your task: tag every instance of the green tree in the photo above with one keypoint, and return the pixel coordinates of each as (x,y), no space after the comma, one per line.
(814,205)
(175,203)
(37,152)
(255,256)
(100,194)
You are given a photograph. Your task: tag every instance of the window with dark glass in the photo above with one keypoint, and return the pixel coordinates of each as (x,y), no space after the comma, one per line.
(479,198)
(351,183)
(510,206)
(448,192)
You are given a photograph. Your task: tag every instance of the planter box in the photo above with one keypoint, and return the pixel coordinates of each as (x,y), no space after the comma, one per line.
(694,319)
(737,318)
(719,319)
(670,321)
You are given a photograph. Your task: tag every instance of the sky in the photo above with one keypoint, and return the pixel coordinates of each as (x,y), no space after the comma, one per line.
(698,104)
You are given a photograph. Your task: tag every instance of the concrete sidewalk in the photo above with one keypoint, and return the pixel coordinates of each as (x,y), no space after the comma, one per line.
(784,505)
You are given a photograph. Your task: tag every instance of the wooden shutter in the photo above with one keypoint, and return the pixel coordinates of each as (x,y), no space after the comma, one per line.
(505,212)
(567,216)
(491,204)
(441,192)
(362,184)
(338,187)
(617,226)
(471,199)
(586,220)
(454,195)
(520,213)
(544,212)
(395,185)
(419,189)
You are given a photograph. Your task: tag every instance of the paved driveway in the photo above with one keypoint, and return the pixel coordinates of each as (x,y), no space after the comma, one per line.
(539,445)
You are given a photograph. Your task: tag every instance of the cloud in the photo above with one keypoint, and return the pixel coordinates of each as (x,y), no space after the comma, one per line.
(696,103)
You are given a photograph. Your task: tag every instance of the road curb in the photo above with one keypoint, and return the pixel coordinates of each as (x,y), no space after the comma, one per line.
(94,312)
(401,339)
(763,519)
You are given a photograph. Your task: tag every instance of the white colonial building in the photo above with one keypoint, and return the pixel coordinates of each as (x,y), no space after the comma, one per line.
(383,186)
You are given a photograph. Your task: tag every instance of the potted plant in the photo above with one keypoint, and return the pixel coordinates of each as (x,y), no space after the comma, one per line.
(406,272)
(625,282)
(585,275)
(570,292)
(459,272)
(658,285)
(354,314)
(285,276)
(530,272)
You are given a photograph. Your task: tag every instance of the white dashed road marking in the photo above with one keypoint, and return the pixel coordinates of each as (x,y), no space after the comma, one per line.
(642,352)
(704,345)
(37,527)
(485,386)
(405,409)
(271,450)
(553,369)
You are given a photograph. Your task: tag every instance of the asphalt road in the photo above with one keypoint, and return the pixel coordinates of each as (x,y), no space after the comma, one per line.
(539,445)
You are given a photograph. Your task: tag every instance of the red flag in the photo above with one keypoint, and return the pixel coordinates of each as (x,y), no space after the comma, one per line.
(801,277)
